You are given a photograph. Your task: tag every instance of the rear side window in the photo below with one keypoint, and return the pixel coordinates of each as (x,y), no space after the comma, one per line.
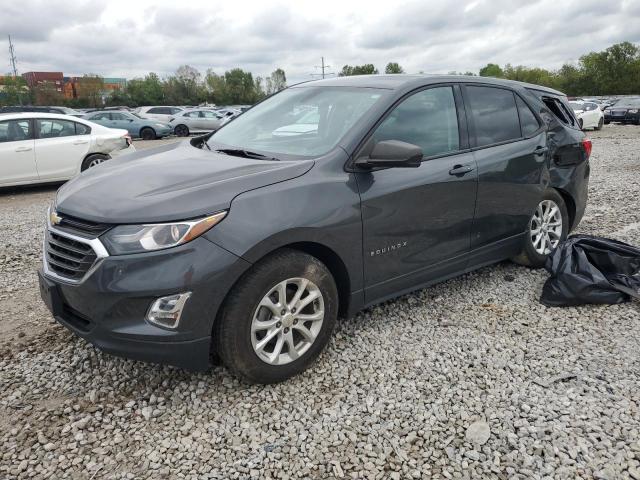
(100,116)
(161,110)
(494,114)
(528,121)
(15,130)
(54,128)
(82,129)
(427,119)
(559,110)
(175,110)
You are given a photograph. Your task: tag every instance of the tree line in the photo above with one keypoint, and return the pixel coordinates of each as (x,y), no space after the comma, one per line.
(613,71)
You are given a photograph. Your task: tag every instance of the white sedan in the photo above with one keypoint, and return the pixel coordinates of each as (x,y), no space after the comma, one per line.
(589,114)
(48,147)
(198,120)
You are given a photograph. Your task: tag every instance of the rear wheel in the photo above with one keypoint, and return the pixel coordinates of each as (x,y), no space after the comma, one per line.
(93,160)
(278,318)
(148,133)
(548,226)
(181,130)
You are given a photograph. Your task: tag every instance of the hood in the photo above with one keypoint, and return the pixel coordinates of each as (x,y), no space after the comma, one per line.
(172,182)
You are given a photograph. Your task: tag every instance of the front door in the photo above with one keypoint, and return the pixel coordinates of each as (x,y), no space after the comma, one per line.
(17,156)
(417,221)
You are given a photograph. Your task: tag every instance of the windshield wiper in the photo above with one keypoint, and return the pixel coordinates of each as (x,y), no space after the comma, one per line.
(238,152)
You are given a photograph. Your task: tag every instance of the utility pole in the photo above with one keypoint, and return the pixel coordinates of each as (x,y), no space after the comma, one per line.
(323,67)
(12,58)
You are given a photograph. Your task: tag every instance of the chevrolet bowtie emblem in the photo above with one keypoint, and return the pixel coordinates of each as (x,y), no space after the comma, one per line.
(54,218)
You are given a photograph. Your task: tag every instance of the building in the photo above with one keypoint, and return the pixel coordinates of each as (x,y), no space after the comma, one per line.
(112,84)
(75,87)
(34,79)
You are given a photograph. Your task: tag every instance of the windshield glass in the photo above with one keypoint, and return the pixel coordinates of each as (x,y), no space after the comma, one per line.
(306,121)
(576,106)
(137,115)
(628,102)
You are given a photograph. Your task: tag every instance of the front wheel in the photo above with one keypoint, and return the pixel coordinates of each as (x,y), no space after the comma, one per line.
(278,318)
(148,133)
(548,226)
(600,123)
(181,130)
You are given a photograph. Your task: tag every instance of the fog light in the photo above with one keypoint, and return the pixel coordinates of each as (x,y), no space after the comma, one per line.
(166,311)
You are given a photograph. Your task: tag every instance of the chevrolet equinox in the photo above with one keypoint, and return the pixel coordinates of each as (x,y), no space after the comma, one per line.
(248,243)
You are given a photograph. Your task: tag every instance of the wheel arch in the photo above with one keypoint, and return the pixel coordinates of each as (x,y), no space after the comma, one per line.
(570,204)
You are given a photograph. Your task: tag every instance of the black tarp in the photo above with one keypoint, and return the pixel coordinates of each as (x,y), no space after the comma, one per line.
(587,269)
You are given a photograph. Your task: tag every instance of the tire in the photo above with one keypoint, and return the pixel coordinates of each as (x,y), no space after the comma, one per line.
(93,160)
(181,130)
(532,254)
(238,341)
(607,122)
(148,133)
(600,123)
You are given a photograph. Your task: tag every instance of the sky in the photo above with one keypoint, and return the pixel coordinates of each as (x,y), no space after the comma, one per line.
(129,38)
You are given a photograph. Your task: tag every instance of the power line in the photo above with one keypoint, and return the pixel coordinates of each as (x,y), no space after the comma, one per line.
(12,58)
(323,67)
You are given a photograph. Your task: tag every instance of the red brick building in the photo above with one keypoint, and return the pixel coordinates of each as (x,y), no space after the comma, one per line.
(34,79)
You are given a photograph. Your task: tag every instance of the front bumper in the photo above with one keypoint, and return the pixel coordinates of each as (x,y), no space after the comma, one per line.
(626,118)
(108,307)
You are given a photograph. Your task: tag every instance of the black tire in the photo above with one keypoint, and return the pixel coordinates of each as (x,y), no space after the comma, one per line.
(529,256)
(232,330)
(148,133)
(607,122)
(600,123)
(93,160)
(181,130)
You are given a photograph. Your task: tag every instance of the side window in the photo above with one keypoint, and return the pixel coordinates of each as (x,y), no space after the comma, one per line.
(15,130)
(208,114)
(155,110)
(82,129)
(494,114)
(427,119)
(54,128)
(559,110)
(192,114)
(528,121)
(100,116)
(175,110)
(118,116)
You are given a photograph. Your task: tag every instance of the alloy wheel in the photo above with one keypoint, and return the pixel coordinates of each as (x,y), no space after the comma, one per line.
(96,161)
(287,321)
(545,227)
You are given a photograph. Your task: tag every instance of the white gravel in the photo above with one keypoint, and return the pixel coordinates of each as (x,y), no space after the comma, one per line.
(473,378)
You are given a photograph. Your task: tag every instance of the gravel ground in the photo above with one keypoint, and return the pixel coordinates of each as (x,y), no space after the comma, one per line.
(473,378)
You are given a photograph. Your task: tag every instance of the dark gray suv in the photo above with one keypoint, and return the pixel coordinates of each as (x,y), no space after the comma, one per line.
(331,196)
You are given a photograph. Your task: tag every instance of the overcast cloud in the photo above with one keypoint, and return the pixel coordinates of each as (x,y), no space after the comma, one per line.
(130,38)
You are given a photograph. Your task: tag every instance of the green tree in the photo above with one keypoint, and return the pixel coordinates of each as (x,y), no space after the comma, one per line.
(90,88)
(145,91)
(393,67)
(366,69)
(491,70)
(14,91)
(276,81)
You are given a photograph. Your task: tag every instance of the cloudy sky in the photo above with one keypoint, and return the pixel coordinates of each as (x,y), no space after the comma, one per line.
(132,37)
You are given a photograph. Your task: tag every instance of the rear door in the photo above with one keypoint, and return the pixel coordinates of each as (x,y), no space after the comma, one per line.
(17,154)
(61,145)
(510,149)
(208,120)
(417,221)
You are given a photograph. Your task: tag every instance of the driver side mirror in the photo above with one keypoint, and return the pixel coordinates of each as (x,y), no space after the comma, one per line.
(392,154)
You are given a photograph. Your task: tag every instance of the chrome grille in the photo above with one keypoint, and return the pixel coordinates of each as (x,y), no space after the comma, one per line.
(67,257)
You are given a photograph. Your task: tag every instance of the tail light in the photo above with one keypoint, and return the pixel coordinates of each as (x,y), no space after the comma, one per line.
(586,146)
(127,139)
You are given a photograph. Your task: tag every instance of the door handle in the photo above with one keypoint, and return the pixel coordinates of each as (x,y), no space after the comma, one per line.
(80,142)
(540,150)
(23,149)
(460,169)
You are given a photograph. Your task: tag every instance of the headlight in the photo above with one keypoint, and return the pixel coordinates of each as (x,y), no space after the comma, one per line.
(633,110)
(145,238)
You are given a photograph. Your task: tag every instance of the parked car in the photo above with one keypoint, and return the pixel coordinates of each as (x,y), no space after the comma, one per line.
(625,110)
(588,114)
(137,126)
(31,108)
(108,109)
(248,246)
(198,120)
(164,114)
(43,147)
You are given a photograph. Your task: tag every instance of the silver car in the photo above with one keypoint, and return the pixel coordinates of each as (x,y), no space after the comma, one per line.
(199,120)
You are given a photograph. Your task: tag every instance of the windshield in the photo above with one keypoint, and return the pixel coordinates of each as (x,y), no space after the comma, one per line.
(628,102)
(306,121)
(137,115)
(576,106)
